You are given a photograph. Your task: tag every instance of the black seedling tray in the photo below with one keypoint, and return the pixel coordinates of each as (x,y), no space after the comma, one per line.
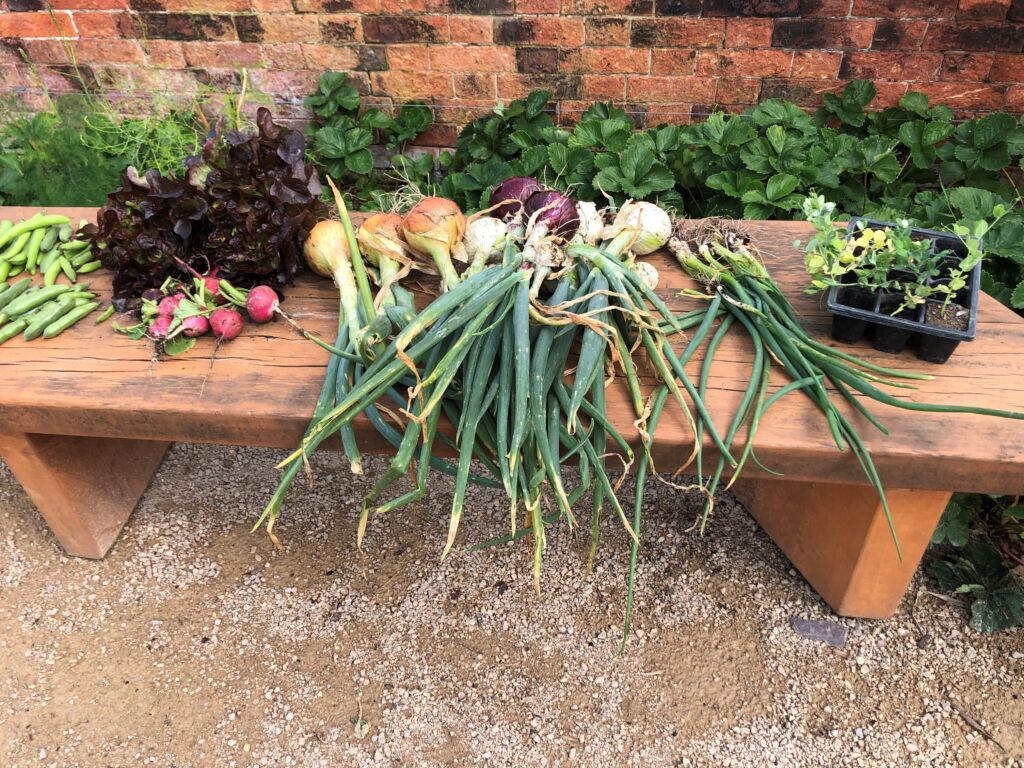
(859,313)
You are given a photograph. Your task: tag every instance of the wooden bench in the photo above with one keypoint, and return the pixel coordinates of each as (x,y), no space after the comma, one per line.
(85,419)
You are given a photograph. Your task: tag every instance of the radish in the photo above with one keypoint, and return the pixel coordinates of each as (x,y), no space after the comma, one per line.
(168,304)
(262,304)
(194,326)
(159,328)
(227,324)
(212,284)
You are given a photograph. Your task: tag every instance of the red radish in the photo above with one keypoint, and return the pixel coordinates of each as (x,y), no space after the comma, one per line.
(168,304)
(196,325)
(213,288)
(261,304)
(227,324)
(159,328)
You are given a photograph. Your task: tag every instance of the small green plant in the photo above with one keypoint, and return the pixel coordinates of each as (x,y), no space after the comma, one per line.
(342,137)
(982,537)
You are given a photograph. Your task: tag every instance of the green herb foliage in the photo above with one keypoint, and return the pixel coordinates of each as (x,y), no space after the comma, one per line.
(342,137)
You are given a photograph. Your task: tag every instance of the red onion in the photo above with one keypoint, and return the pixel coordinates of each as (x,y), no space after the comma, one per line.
(557,212)
(511,194)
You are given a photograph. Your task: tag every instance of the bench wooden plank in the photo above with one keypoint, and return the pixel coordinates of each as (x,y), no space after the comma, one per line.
(262,388)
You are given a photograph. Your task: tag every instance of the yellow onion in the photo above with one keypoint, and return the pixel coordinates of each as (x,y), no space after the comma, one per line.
(485,241)
(327,253)
(434,228)
(380,236)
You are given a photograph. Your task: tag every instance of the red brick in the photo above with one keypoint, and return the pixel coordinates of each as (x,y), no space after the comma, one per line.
(1007,69)
(822,33)
(744,63)
(901,9)
(477,85)
(285,28)
(748,33)
(608,61)
(682,88)
(836,9)
(607,31)
(561,86)
(205,6)
(974,36)
(966,66)
(285,84)
(164,54)
(675,113)
(672,61)
(108,52)
(334,6)
(983,9)
(438,135)
(98,24)
(608,7)
(677,32)
(332,57)
(28,25)
(411,85)
(737,90)
(1015,98)
(410,57)
(898,35)
(274,6)
(470,29)
(403,6)
(561,31)
(604,87)
(346,28)
(816,64)
(538,6)
(965,95)
(12,78)
(281,55)
(874,65)
(405,29)
(46,51)
(806,93)
(88,5)
(472,58)
(221,55)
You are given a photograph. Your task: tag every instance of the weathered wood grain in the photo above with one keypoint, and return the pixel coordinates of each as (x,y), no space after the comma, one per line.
(261,390)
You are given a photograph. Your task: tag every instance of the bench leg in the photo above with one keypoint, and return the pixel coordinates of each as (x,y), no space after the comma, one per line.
(838,538)
(85,487)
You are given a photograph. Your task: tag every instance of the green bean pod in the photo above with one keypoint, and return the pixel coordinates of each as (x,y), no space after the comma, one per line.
(16,247)
(32,300)
(32,251)
(90,266)
(5,270)
(48,314)
(69,319)
(52,272)
(80,258)
(5,225)
(105,315)
(11,330)
(14,291)
(64,232)
(49,239)
(47,260)
(39,220)
(75,245)
(67,269)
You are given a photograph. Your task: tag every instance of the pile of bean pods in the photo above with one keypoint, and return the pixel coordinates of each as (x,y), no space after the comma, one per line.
(44,244)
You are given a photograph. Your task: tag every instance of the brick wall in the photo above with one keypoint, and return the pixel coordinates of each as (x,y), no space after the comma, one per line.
(665,59)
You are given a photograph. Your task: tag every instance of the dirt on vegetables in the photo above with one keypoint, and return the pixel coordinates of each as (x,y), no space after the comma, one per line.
(196,643)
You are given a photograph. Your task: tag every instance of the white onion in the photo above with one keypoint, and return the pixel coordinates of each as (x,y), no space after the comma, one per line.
(647,273)
(591,223)
(485,239)
(652,224)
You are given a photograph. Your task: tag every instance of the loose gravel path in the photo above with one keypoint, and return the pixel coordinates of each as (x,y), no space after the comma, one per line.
(196,643)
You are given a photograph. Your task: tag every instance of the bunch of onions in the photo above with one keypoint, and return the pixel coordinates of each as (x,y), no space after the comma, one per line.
(485,241)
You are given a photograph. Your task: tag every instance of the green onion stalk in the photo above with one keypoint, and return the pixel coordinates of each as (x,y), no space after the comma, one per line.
(726,262)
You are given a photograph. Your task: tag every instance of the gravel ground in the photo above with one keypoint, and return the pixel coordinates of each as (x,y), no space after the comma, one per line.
(196,643)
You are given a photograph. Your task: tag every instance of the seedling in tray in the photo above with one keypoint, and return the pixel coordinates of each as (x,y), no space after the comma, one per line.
(896,284)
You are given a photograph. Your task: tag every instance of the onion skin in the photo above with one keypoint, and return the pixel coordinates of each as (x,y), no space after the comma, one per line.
(511,194)
(557,212)
(652,224)
(325,246)
(381,236)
